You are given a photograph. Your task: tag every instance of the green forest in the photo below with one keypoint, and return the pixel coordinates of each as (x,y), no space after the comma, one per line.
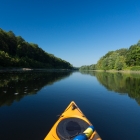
(122,59)
(15,52)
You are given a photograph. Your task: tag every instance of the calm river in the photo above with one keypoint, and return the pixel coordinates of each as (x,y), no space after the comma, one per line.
(31,101)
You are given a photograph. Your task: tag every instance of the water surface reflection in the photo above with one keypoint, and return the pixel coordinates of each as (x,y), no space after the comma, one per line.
(14,86)
(122,83)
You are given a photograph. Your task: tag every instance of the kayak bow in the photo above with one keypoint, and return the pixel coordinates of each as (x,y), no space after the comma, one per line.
(72,125)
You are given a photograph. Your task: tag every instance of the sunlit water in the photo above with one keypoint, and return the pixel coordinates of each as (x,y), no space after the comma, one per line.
(30,103)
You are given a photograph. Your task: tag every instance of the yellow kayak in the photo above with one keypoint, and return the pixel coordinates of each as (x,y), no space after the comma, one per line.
(72,125)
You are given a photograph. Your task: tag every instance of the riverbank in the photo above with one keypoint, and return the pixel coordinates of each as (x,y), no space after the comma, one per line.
(121,71)
(14,69)
(124,71)
(29,69)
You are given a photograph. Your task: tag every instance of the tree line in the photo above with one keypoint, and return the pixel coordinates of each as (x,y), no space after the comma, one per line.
(118,60)
(16,52)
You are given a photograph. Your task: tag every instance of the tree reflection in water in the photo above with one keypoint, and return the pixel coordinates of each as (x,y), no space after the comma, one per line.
(14,86)
(123,83)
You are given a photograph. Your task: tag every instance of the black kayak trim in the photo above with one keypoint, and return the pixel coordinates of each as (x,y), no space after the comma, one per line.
(71,127)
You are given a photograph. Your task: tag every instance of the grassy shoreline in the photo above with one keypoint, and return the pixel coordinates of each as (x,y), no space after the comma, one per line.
(30,69)
(121,71)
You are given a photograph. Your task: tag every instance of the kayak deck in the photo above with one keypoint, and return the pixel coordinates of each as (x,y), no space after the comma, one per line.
(71,121)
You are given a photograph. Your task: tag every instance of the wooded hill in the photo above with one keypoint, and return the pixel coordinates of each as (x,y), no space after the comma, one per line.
(118,60)
(16,52)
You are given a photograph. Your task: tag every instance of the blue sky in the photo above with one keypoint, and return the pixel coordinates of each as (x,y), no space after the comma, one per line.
(78,31)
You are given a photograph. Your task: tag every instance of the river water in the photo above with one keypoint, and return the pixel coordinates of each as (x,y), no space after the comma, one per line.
(31,101)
